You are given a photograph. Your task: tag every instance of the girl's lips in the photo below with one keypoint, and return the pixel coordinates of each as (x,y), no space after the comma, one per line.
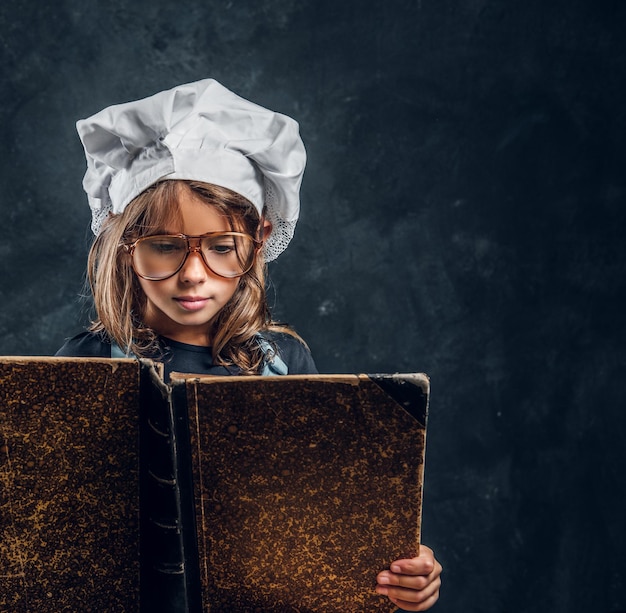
(191,303)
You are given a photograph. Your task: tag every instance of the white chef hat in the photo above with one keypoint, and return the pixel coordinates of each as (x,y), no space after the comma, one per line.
(199,131)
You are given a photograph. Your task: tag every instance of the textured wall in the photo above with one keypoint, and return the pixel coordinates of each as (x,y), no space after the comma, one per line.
(463,213)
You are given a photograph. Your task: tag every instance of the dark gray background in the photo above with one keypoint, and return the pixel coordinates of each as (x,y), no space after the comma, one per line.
(463,215)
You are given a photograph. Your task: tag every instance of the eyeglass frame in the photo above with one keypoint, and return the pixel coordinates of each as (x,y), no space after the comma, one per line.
(130,249)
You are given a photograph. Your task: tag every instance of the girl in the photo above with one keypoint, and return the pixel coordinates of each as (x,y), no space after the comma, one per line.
(192,191)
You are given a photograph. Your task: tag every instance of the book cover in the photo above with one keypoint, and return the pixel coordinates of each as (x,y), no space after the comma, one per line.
(305,487)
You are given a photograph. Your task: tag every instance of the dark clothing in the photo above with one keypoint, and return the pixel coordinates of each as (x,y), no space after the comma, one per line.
(184,358)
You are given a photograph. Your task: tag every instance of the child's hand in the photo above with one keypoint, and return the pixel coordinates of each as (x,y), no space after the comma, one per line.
(412,585)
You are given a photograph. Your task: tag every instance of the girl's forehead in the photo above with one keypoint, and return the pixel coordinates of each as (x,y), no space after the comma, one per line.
(173,207)
(198,217)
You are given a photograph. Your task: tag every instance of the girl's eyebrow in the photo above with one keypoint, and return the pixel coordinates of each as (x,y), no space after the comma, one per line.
(162,230)
(156,232)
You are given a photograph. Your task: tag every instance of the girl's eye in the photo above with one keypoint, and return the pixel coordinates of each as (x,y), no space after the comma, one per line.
(222,248)
(166,247)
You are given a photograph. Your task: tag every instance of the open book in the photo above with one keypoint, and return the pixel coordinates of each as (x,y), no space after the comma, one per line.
(123,493)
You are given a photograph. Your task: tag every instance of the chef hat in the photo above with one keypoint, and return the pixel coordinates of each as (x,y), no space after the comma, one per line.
(199,131)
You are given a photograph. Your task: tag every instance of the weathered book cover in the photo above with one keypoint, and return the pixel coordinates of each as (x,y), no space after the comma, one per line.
(69,504)
(119,493)
(304,487)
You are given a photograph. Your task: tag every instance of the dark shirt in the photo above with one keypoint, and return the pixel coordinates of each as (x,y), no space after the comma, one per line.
(184,358)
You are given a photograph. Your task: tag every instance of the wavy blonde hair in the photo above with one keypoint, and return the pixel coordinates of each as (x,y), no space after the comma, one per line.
(120,302)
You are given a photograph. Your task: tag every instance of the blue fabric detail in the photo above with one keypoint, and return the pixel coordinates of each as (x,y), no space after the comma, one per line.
(273,365)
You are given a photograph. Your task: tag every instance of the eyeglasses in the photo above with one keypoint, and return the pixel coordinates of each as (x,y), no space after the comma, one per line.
(227,254)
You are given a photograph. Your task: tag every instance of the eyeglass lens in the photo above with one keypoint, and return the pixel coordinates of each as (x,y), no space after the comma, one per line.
(158,257)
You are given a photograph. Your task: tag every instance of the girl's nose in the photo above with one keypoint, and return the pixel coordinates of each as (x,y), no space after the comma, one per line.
(194,269)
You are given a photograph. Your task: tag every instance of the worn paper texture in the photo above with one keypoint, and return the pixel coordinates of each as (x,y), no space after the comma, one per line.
(306,487)
(68,485)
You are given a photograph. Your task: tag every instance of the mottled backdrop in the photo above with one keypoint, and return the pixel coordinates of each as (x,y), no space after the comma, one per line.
(463,215)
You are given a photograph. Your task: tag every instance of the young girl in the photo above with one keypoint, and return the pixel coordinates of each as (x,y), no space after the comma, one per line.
(192,191)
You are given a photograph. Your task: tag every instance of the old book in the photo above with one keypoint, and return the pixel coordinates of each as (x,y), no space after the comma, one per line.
(69,483)
(304,487)
(121,493)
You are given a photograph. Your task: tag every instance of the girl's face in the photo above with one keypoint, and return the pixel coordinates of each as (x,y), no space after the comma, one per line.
(182,307)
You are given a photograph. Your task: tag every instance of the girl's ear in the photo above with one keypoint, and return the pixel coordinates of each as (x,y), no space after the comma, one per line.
(266,229)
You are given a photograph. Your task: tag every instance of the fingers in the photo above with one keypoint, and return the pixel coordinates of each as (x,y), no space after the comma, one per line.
(412,599)
(424,564)
(412,584)
(415,573)
(412,606)
(412,589)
